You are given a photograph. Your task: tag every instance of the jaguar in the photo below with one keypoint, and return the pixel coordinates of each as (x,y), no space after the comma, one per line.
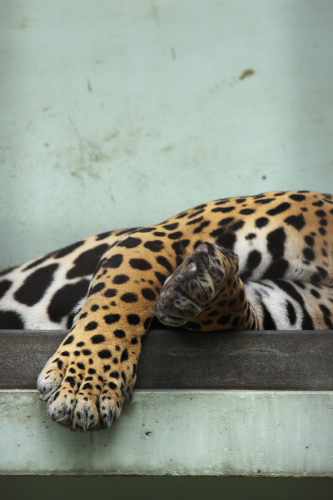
(247,262)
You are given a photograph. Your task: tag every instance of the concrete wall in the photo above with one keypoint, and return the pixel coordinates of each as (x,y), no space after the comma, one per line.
(120,113)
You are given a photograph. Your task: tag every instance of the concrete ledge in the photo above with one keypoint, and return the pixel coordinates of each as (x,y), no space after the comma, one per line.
(175,359)
(250,404)
(212,433)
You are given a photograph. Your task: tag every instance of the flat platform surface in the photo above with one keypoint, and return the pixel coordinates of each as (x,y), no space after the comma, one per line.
(176,359)
(207,404)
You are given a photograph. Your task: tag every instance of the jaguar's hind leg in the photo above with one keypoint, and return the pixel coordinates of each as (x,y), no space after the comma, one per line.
(206,293)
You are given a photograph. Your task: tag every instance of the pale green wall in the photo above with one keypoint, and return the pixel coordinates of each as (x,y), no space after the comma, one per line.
(119,113)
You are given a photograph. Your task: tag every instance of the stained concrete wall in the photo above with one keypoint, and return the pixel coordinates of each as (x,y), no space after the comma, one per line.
(120,114)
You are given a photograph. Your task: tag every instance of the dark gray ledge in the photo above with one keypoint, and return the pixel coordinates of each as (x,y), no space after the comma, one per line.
(174,359)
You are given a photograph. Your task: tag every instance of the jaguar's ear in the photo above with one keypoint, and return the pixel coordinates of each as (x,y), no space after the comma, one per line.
(232,258)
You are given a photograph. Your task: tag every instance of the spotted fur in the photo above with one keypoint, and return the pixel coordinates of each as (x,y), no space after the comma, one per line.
(256,262)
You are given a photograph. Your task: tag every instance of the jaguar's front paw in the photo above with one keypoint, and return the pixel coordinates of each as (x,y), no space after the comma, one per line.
(194,284)
(85,390)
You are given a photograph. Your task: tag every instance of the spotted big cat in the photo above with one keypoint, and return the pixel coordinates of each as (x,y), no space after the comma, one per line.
(250,263)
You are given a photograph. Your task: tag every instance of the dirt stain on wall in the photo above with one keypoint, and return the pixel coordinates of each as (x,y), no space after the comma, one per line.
(246,73)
